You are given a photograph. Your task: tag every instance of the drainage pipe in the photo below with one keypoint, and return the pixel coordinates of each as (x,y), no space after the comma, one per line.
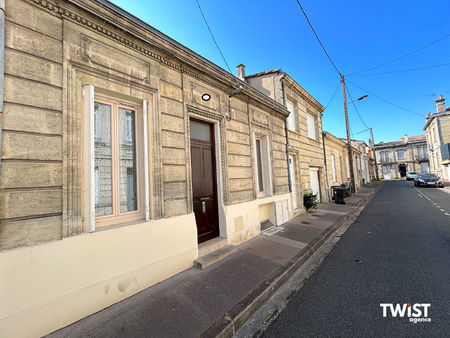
(326,166)
(287,137)
(2,68)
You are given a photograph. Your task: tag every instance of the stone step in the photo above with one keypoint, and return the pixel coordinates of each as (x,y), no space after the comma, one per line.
(211,245)
(214,257)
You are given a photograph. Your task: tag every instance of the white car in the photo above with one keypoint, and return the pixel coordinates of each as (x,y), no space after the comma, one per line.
(411,175)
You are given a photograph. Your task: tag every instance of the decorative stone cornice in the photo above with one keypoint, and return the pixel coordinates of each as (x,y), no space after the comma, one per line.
(182,65)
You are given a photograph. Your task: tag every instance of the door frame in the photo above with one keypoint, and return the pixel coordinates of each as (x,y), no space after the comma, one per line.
(317,170)
(297,177)
(218,166)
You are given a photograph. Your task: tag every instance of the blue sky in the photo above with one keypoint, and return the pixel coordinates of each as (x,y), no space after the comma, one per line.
(267,34)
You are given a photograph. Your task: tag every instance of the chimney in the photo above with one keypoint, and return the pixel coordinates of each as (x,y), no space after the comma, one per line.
(405,138)
(241,71)
(440,104)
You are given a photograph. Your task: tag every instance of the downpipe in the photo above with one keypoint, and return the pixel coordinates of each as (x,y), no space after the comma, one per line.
(326,167)
(2,69)
(287,138)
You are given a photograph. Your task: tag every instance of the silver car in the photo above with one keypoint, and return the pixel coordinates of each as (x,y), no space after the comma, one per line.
(411,175)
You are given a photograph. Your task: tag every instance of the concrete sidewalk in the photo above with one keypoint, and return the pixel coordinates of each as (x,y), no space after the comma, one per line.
(218,300)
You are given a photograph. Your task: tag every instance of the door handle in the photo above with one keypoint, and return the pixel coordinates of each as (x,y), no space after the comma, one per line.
(204,206)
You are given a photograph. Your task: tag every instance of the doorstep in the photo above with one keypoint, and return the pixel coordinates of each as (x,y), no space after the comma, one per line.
(211,246)
(213,257)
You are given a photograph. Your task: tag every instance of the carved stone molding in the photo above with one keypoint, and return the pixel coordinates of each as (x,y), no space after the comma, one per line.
(88,23)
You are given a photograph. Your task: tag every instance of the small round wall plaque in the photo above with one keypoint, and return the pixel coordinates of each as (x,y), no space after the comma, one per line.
(206,97)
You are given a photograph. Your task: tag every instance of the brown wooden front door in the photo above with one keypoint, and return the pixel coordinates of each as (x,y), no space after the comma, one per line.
(204,189)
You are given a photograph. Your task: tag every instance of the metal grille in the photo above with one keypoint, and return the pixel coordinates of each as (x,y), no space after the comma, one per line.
(103,160)
(127,160)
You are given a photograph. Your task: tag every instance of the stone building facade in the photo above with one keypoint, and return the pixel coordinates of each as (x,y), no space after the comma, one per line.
(122,150)
(304,128)
(397,158)
(337,162)
(437,131)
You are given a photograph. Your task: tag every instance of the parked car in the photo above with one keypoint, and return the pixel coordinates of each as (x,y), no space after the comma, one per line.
(428,180)
(411,175)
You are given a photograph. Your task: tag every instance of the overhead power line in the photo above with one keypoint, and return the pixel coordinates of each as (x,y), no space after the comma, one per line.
(403,56)
(332,96)
(404,70)
(360,132)
(387,101)
(317,37)
(215,42)
(354,106)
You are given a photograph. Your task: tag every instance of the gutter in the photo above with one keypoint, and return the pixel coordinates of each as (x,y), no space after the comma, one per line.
(2,68)
(326,168)
(287,137)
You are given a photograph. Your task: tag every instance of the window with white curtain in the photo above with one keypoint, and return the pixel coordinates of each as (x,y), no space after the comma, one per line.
(116,167)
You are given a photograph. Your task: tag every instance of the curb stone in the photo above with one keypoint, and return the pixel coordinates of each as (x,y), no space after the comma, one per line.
(233,320)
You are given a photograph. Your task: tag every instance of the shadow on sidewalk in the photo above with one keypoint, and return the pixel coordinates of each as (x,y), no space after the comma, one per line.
(189,303)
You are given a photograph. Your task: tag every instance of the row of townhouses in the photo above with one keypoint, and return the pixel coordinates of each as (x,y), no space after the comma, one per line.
(429,153)
(125,156)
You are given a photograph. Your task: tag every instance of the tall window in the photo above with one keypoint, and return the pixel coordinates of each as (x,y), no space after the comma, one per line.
(311,126)
(117,197)
(401,154)
(333,168)
(292,125)
(422,151)
(262,166)
(382,156)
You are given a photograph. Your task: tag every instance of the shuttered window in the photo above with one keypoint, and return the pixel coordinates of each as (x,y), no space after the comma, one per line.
(311,126)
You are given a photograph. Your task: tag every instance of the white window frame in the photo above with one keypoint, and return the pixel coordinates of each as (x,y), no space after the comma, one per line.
(265,165)
(311,122)
(291,123)
(89,159)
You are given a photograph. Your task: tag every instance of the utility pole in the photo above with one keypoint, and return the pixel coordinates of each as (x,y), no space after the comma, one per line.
(374,155)
(349,143)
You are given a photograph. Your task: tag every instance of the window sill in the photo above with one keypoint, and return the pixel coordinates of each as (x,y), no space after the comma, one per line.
(116,226)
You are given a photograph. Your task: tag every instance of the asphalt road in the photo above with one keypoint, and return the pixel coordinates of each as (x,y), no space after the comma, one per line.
(397,251)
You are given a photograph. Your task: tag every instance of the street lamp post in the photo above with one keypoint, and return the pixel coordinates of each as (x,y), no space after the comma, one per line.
(347,127)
